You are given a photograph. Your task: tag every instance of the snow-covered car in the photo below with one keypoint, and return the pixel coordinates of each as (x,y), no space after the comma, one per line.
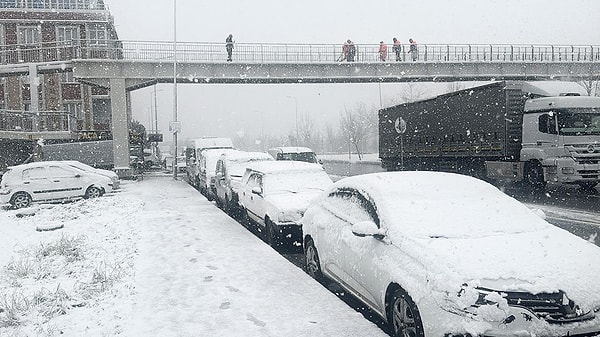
(44,181)
(228,176)
(85,167)
(207,163)
(297,153)
(275,194)
(436,254)
(150,159)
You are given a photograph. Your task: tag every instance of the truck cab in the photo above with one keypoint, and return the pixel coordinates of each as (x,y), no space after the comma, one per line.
(561,140)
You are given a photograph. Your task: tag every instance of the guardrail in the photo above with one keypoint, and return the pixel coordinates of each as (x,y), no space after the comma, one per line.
(290,53)
(53,121)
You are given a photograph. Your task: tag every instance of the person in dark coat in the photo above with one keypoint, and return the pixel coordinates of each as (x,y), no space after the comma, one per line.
(351,51)
(397,49)
(413,49)
(229,46)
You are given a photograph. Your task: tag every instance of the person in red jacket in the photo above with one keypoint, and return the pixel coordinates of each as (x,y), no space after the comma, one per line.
(382,51)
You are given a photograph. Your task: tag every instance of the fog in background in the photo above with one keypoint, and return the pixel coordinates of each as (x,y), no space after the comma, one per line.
(249,109)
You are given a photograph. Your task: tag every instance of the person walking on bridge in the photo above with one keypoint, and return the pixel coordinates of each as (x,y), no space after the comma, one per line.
(382,51)
(413,49)
(397,49)
(229,46)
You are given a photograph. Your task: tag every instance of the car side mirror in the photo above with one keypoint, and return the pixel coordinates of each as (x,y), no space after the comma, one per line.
(367,228)
(257,190)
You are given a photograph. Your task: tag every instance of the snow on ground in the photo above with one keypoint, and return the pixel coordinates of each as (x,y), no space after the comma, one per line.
(155,259)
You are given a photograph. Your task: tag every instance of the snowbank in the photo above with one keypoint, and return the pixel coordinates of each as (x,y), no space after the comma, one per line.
(155,259)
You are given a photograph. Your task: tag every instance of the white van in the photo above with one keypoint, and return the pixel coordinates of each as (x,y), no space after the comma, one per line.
(193,155)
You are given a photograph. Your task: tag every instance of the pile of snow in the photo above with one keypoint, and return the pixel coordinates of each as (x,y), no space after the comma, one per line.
(155,259)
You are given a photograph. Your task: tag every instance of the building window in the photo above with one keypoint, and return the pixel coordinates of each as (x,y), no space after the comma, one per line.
(97,34)
(8,3)
(73,109)
(67,34)
(67,4)
(29,35)
(67,77)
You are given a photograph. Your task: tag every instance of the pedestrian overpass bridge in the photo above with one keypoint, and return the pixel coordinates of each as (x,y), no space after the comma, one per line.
(124,66)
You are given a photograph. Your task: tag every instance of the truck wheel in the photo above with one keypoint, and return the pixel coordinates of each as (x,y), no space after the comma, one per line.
(534,176)
(20,200)
(589,187)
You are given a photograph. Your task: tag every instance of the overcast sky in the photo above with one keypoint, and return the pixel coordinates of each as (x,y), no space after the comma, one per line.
(207,109)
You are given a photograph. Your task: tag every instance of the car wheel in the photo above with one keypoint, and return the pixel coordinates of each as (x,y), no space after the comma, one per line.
(313,264)
(244,218)
(93,192)
(404,318)
(20,200)
(271,236)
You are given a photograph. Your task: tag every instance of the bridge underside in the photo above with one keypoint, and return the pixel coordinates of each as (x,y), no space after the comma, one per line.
(138,74)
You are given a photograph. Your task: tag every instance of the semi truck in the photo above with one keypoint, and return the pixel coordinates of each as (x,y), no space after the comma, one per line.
(538,133)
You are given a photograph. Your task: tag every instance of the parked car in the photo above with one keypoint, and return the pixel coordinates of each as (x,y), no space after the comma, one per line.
(193,155)
(150,159)
(116,183)
(42,181)
(275,194)
(228,177)
(294,153)
(207,163)
(437,253)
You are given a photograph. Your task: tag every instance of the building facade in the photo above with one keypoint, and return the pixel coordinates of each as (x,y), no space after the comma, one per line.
(51,104)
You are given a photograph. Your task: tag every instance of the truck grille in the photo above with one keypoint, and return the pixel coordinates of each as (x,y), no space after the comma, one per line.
(585,153)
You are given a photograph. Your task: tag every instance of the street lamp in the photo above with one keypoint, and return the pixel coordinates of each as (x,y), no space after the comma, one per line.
(175,87)
(296,103)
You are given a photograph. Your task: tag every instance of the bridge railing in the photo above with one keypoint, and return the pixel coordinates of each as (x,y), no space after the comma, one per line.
(290,53)
(330,53)
(20,121)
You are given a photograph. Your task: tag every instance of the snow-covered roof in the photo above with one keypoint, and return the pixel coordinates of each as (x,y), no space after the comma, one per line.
(290,149)
(284,166)
(436,204)
(242,156)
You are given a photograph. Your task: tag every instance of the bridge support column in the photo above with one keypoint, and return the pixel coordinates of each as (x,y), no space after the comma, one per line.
(120,127)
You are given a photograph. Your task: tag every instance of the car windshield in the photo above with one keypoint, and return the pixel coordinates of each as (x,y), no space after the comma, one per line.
(295,182)
(237,168)
(576,122)
(308,157)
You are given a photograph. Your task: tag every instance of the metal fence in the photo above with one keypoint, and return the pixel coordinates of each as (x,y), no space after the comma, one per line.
(289,53)
(53,121)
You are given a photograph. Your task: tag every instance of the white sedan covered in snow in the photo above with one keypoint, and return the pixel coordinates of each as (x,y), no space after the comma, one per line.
(275,194)
(54,180)
(439,253)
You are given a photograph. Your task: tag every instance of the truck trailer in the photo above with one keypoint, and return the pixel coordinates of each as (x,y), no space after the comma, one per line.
(534,132)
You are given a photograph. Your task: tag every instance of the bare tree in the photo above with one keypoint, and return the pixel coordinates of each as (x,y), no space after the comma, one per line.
(306,130)
(357,125)
(592,87)
(412,92)
(456,86)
